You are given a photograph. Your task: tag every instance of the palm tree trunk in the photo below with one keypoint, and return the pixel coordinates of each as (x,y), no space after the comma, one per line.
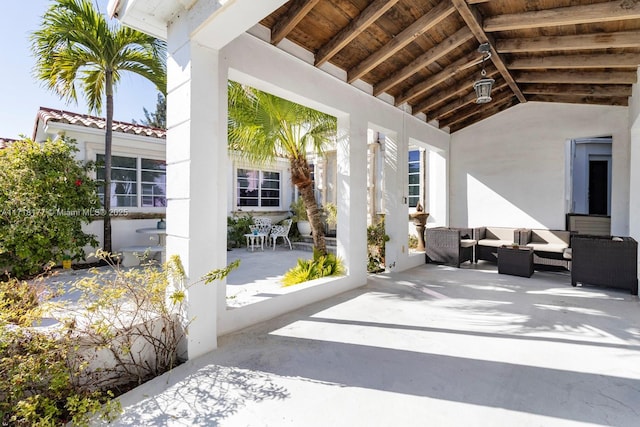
(301,177)
(107,162)
(315,218)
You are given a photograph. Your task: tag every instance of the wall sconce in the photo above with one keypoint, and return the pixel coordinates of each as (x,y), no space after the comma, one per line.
(484,85)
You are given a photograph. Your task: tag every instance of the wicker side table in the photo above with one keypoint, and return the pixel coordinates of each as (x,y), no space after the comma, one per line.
(516,261)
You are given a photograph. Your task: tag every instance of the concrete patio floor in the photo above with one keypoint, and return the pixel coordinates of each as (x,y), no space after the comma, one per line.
(433,346)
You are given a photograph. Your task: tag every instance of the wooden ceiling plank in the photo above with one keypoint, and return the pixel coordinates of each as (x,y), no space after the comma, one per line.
(572,15)
(481,115)
(474,21)
(297,11)
(592,100)
(622,39)
(367,17)
(461,64)
(577,76)
(624,60)
(409,34)
(473,110)
(459,103)
(576,89)
(439,98)
(432,55)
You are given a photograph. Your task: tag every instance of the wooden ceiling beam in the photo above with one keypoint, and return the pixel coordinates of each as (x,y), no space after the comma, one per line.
(585,77)
(367,17)
(432,55)
(573,15)
(577,89)
(571,99)
(475,109)
(439,98)
(474,21)
(622,39)
(461,64)
(459,103)
(297,11)
(623,60)
(481,115)
(429,20)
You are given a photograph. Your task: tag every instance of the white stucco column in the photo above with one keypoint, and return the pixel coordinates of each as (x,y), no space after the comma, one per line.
(634,175)
(396,199)
(197,179)
(352,195)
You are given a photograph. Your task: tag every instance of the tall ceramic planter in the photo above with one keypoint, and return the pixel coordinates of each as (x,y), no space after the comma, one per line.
(304,227)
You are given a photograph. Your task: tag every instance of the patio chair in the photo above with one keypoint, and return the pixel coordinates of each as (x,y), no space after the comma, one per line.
(281,231)
(449,246)
(263,225)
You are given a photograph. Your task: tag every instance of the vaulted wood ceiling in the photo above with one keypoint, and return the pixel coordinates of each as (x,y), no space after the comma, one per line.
(425,52)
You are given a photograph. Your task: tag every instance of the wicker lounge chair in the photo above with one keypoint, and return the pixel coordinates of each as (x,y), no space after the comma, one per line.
(450,246)
(605,261)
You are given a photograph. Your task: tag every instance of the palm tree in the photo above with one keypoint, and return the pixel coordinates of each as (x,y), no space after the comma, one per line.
(263,126)
(78,50)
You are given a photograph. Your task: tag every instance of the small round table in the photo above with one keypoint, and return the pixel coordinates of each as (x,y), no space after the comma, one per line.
(161,232)
(255,240)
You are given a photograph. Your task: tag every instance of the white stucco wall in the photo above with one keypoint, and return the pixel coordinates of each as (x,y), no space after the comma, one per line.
(90,142)
(509,170)
(634,178)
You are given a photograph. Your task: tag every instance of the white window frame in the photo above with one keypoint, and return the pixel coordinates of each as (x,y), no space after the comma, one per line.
(420,173)
(261,170)
(139,195)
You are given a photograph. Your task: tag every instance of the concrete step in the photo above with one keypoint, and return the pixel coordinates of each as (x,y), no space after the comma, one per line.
(308,246)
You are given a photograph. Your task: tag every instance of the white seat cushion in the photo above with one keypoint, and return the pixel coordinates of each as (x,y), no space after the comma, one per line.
(467,243)
(548,247)
(495,243)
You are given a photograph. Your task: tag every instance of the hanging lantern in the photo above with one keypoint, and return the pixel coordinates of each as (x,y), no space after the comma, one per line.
(484,85)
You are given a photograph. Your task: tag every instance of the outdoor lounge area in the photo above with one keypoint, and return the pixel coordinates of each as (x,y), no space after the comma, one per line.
(452,346)
(421,341)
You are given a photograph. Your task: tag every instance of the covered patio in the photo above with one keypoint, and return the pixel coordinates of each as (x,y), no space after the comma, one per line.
(432,345)
(501,164)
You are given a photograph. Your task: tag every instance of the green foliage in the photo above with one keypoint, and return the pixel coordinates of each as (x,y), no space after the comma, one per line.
(299,210)
(263,127)
(319,266)
(134,319)
(331,214)
(413,241)
(78,51)
(237,227)
(40,384)
(159,118)
(376,239)
(45,197)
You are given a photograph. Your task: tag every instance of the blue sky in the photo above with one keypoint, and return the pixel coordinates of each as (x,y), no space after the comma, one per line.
(21,95)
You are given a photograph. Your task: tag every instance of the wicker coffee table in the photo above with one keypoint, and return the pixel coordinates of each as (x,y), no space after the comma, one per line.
(516,261)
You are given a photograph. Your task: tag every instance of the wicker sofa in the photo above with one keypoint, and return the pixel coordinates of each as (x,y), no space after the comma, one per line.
(550,247)
(450,246)
(606,261)
(491,238)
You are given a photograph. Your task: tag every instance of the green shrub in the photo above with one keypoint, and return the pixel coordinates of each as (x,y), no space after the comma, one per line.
(237,227)
(39,384)
(413,241)
(45,197)
(376,240)
(310,269)
(134,319)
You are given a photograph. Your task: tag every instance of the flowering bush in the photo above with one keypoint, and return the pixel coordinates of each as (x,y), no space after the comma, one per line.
(45,197)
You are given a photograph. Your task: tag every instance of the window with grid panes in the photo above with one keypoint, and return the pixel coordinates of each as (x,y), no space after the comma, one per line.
(257,188)
(131,177)
(414,178)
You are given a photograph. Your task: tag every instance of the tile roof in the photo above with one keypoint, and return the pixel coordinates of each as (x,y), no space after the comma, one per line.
(4,142)
(52,115)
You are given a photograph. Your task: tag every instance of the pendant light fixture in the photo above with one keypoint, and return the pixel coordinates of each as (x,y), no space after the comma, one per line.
(484,85)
